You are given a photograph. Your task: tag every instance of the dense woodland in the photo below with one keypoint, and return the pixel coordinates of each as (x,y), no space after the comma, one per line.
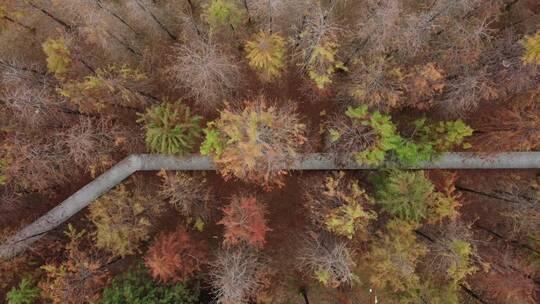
(254,84)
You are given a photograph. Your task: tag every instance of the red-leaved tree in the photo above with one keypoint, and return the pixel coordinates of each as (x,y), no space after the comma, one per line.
(245,221)
(174,257)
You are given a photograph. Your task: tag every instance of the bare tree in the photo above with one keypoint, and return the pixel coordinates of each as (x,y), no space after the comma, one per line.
(32,107)
(522,206)
(189,194)
(236,275)
(36,164)
(279,15)
(328,259)
(465,92)
(88,142)
(502,59)
(453,255)
(379,30)
(210,75)
(377,81)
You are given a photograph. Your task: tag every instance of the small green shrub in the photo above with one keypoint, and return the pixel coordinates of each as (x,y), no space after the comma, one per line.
(26,293)
(213,141)
(429,140)
(137,287)
(171,128)
(387,137)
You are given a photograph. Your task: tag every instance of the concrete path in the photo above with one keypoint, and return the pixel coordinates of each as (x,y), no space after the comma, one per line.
(23,239)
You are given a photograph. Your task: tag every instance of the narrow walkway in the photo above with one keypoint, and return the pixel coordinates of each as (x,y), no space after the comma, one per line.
(23,239)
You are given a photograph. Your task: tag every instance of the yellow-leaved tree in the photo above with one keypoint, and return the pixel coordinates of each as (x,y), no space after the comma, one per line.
(323,63)
(123,220)
(114,85)
(339,205)
(532,49)
(266,54)
(58,56)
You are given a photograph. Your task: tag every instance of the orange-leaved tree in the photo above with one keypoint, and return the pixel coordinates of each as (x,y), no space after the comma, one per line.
(174,256)
(245,221)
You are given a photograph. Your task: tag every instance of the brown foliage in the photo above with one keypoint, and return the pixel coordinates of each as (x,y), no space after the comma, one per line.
(31,104)
(113,86)
(426,83)
(521,208)
(189,194)
(89,143)
(11,269)
(256,141)
(35,164)
(466,92)
(377,81)
(245,221)
(174,257)
(508,285)
(513,127)
(40,163)
(80,278)
(210,75)
(327,259)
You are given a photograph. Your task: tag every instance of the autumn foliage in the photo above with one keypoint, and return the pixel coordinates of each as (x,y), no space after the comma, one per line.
(339,205)
(256,142)
(244,221)
(80,278)
(257,90)
(123,219)
(174,256)
(266,55)
(188,194)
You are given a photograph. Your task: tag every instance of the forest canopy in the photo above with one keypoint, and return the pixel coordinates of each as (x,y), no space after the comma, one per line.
(254,86)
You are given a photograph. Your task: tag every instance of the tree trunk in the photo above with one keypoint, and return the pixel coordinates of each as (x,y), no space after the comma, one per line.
(161,25)
(66,26)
